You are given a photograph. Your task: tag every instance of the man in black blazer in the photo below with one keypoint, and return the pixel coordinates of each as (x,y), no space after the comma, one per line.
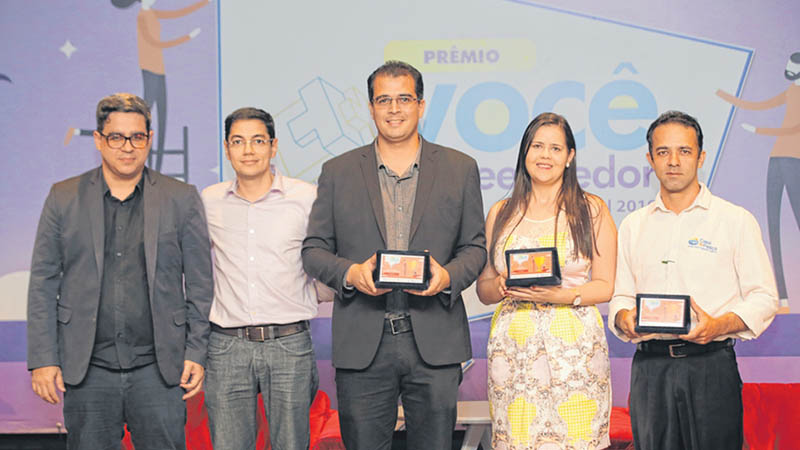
(398,193)
(120,292)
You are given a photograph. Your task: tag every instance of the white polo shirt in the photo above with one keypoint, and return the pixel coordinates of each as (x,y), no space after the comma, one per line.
(712,250)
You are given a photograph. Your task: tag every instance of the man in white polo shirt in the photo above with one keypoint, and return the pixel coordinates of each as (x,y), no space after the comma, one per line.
(686,389)
(263,300)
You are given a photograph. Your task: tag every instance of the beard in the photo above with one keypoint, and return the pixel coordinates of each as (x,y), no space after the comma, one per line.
(791,76)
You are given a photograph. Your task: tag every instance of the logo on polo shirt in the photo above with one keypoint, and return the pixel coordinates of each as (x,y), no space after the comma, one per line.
(702,244)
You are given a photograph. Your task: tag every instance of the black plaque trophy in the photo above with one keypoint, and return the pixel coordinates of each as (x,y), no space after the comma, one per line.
(397,269)
(533,266)
(662,313)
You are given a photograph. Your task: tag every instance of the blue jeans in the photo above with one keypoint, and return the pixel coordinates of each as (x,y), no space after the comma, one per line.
(96,410)
(284,370)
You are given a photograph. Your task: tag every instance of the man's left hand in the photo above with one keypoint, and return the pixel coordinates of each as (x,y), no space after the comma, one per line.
(440,280)
(192,378)
(707,327)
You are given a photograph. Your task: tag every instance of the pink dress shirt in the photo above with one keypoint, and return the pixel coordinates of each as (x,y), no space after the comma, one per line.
(258,271)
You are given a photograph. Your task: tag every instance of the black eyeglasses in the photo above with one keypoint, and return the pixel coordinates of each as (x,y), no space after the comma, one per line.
(117,140)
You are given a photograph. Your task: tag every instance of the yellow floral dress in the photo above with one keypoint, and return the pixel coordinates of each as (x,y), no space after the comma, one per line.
(548,369)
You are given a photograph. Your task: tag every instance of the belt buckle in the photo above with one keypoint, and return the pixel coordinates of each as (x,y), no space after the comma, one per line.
(260,338)
(672,348)
(391,323)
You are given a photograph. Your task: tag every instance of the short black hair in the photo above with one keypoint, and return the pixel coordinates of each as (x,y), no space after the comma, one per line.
(122,102)
(396,69)
(795,58)
(675,117)
(250,113)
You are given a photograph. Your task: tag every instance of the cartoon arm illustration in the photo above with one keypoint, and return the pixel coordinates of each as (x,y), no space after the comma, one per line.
(155,40)
(150,17)
(174,14)
(786,131)
(774,102)
(144,31)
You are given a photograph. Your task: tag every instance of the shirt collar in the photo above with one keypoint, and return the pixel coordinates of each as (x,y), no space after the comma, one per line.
(381,165)
(702,200)
(277,184)
(138,188)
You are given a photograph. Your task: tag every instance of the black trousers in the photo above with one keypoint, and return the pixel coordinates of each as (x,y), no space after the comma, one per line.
(692,403)
(368,398)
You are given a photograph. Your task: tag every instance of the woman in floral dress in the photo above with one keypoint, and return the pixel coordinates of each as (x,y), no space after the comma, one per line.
(549,378)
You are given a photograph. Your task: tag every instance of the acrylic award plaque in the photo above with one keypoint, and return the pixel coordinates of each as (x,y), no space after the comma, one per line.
(398,269)
(661,313)
(533,267)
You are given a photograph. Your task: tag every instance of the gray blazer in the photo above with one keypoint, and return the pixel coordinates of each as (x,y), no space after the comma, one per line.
(347,226)
(66,272)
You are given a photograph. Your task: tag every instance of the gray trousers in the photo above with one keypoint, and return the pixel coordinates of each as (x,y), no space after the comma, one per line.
(781,173)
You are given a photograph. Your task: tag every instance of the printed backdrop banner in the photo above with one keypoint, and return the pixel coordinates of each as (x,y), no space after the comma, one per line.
(483,86)
(489,67)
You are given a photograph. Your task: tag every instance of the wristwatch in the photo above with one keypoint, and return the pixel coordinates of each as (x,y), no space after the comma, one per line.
(577,300)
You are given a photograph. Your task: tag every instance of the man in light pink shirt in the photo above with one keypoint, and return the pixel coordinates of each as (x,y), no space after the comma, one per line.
(263,300)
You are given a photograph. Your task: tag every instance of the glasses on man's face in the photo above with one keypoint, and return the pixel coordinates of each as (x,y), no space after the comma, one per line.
(258,143)
(403,101)
(117,140)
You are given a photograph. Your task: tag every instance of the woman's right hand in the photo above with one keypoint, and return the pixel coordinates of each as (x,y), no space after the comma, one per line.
(500,280)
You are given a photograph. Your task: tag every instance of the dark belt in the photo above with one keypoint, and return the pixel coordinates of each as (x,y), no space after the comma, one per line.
(681,349)
(397,325)
(261,333)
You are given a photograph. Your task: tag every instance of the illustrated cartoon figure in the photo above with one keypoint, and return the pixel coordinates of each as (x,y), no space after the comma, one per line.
(151,61)
(784,163)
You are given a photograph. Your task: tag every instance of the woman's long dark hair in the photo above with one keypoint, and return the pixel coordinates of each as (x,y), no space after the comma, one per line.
(571,198)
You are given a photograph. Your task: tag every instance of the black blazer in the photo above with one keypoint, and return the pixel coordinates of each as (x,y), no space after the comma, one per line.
(346,226)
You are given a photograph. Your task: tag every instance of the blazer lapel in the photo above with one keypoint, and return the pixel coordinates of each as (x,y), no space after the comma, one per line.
(152,212)
(427,178)
(97,219)
(369,165)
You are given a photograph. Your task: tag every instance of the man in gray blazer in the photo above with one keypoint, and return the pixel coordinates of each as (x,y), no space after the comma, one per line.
(120,292)
(399,193)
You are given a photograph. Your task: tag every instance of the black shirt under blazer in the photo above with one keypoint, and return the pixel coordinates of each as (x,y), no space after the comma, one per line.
(66,274)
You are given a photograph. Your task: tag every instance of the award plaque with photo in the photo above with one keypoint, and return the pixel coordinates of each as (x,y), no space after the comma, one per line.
(662,313)
(533,267)
(397,269)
